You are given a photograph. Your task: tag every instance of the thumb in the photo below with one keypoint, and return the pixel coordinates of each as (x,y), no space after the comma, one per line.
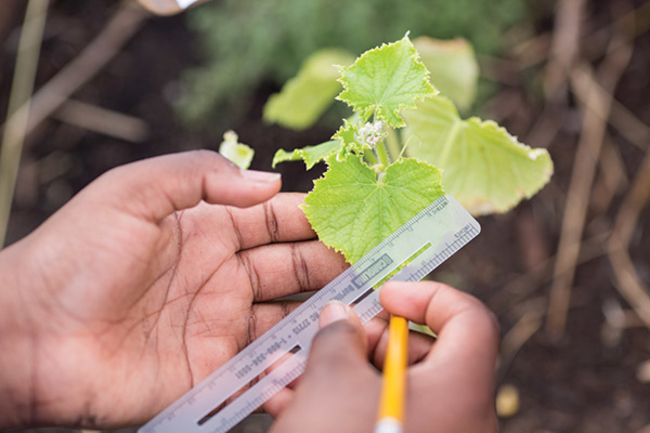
(341,343)
(156,187)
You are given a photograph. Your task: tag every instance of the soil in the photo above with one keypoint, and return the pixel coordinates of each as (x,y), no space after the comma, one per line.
(584,382)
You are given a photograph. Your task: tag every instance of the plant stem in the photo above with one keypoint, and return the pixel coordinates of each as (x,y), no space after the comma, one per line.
(383,155)
(370,157)
(392,142)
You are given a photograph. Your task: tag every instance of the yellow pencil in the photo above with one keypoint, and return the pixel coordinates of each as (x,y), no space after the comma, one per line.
(390,418)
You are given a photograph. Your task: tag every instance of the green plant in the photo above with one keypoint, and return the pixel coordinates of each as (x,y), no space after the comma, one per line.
(371,188)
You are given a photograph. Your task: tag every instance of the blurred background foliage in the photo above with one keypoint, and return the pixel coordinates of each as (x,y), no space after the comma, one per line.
(245,42)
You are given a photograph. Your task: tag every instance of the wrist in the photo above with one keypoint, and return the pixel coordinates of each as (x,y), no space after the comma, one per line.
(17,345)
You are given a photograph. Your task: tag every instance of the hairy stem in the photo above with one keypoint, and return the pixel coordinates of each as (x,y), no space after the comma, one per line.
(392,143)
(383,155)
(370,157)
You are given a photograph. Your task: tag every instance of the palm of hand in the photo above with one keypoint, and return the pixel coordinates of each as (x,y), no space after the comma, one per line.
(156,307)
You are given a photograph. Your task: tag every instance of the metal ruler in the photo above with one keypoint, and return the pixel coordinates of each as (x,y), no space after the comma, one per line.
(278,357)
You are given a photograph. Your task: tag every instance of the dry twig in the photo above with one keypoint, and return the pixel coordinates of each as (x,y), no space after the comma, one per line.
(629,283)
(546,127)
(565,47)
(518,335)
(613,177)
(596,111)
(519,288)
(620,117)
(103,121)
(535,50)
(119,30)
(14,133)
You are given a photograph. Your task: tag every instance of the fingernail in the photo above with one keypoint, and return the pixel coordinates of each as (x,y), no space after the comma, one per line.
(260,176)
(332,312)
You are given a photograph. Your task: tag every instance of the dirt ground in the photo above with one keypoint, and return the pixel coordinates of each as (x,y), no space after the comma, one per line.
(586,380)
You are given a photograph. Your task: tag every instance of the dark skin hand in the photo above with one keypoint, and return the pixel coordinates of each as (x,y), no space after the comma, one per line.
(449,391)
(137,289)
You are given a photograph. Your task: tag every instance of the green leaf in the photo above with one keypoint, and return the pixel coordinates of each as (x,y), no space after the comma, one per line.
(347,135)
(453,66)
(309,154)
(305,97)
(353,211)
(238,153)
(484,166)
(423,329)
(386,80)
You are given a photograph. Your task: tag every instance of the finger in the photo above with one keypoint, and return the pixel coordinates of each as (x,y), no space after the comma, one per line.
(419,344)
(277,220)
(339,346)
(278,270)
(279,402)
(155,187)
(467,331)
(338,388)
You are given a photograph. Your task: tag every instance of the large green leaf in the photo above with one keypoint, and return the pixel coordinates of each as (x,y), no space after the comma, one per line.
(305,97)
(484,166)
(384,81)
(309,154)
(453,67)
(352,210)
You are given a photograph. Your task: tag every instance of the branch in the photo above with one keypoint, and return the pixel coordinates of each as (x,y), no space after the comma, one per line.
(628,282)
(596,112)
(13,137)
(119,30)
(103,121)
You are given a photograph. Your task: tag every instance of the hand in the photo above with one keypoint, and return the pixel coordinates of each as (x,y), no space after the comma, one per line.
(137,289)
(449,391)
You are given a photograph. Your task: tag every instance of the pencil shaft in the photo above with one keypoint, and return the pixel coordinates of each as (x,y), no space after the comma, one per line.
(393,391)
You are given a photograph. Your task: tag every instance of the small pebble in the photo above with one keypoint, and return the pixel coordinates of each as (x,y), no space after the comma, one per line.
(507,401)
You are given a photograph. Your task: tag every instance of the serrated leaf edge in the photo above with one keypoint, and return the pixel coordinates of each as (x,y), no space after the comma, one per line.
(300,154)
(415,56)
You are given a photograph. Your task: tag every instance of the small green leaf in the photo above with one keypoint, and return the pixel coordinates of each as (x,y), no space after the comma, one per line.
(305,97)
(484,167)
(386,80)
(453,66)
(347,135)
(309,154)
(353,211)
(238,153)
(423,329)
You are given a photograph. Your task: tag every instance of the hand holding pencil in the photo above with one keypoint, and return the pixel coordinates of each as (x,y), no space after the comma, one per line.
(449,383)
